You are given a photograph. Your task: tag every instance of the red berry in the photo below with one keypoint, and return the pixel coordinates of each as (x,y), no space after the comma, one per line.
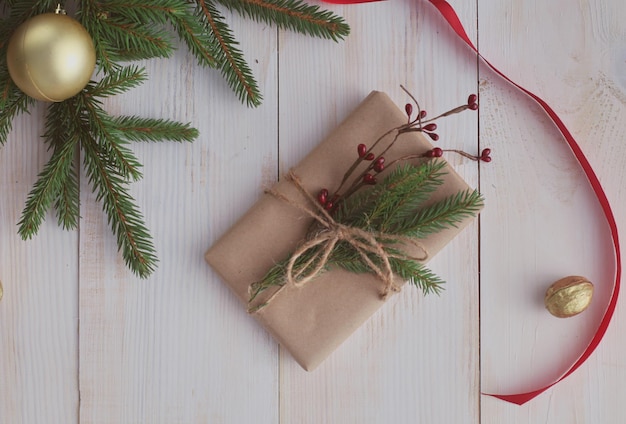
(322,196)
(434,136)
(422,114)
(485,155)
(329,205)
(473,106)
(430,127)
(437,152)
(361,150)
(408,108)
(369,179)
(380,160)
(370,156)
(378,167)
(472,99)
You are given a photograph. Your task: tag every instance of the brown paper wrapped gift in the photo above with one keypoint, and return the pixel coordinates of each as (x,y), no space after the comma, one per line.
(312,320)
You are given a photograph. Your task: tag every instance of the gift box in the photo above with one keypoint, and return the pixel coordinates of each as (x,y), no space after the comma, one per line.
(312,320)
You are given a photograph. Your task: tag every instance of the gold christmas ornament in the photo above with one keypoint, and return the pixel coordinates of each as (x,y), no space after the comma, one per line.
(51,57)
(569,296)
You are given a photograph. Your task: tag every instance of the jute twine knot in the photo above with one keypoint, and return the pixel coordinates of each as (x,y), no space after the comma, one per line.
(331,232)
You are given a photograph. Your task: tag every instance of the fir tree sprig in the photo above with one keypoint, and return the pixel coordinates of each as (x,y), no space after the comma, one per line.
(294,15)
(410,220)
(123,31)
(384,222)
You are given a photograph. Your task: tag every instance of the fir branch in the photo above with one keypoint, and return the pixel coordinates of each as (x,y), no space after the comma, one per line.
(133,238)
(427,281)
(47,188)
(191,29)
(60,130)
(67,204)
(134,128)
(124,30)
(12,103)
(131,40)
(444,214)
(229,58)
(117,82)
(103,130)
(387,212)
(395,199)
(294,15)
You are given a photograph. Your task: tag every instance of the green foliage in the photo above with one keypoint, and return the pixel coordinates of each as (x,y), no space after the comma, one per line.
(124,31)
(392,211)
(292,14)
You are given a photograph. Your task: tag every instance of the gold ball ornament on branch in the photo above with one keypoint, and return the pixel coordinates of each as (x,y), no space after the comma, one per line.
(569,296)
(51,57)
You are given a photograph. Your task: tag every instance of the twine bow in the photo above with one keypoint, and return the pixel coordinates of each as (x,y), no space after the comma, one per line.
(365,243)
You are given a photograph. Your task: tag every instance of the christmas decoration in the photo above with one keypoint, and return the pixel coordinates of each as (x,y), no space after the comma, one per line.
(364,231)
(569,296)
(51,57)
(121,31)
(315,215)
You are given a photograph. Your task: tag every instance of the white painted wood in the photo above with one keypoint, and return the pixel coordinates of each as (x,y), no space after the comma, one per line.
(415,352)
(39,309)
(179,347)
(544,223)
(82,340)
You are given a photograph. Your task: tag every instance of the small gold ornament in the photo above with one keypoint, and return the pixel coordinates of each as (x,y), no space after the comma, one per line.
(569,296)
(51,57)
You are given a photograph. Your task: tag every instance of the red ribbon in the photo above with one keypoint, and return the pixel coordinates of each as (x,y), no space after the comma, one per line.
(453,20)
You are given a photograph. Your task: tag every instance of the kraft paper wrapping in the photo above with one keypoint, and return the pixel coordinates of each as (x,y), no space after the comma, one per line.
(313,320)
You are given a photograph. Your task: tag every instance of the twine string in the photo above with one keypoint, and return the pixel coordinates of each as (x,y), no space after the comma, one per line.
(323,242)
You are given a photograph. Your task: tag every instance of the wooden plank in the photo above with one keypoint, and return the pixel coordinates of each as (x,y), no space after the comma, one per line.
(543,222)
(416,356)
(179,347)
(38,312)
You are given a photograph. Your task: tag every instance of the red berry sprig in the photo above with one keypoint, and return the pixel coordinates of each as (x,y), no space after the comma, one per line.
(437,152)
(376,165)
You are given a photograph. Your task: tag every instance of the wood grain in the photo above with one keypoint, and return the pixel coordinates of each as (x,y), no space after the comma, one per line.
(84,341)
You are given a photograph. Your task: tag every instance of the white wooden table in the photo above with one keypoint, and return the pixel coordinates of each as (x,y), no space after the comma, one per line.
(83,341)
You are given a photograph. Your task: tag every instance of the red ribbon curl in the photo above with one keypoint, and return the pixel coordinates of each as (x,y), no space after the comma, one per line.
(451,17)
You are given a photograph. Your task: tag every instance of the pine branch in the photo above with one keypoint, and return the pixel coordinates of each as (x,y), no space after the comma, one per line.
(48,187)
(395,207)
(133,238)
(12,103)
(102,129)
(294,15)
(442,215)
(60,130)
(67,204)
(191,28)
(228,57)
(125,30)
(395,199)
(134,128)
(412,186)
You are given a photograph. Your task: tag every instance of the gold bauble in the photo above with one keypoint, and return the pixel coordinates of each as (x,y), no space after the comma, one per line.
(51,57)
(569,296)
